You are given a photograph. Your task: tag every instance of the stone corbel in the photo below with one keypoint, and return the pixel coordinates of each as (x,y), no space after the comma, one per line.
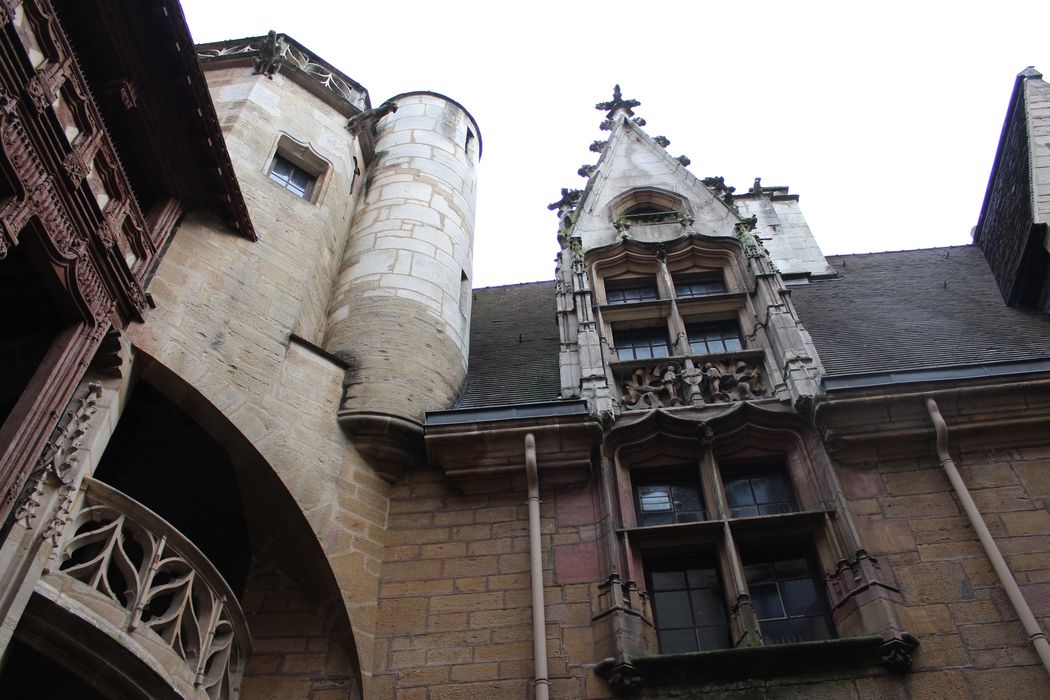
(623,678)
(895,653)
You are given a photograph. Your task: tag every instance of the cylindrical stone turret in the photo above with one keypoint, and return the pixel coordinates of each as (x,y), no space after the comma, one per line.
(400,313)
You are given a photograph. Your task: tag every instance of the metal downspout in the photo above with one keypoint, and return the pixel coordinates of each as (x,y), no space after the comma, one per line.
(1006,578)
(539,619)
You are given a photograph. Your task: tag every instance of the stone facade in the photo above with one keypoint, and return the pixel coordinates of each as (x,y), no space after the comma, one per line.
(262,485)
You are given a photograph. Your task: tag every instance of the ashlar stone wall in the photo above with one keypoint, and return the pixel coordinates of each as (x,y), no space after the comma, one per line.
(226,308)
(972,644)
(455,602)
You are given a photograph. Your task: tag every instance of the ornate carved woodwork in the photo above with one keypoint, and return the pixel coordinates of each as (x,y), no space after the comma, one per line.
(63,184)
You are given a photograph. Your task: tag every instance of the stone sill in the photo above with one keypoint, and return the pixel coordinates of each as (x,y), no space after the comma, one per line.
(753,662)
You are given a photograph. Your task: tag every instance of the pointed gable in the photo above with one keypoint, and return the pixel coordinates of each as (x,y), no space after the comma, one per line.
(1012,229)
(631,161)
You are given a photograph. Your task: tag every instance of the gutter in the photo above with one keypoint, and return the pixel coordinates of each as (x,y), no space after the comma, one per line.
(539,619)
(1035,633)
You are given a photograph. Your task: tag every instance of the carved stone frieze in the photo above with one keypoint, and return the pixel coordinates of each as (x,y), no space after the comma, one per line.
(710,380)
(13,217)
(58,461)
(895,653)
(28,507)
(79,161)
(623,678)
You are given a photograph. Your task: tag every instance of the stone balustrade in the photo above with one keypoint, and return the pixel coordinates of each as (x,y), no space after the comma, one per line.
(168,595)
(691,381)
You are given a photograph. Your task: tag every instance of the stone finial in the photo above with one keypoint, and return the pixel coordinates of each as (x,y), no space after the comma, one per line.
(617,106)
(568,201)
(756,189)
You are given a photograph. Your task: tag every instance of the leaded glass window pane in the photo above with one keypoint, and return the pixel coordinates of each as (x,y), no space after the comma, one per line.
(668,503)
(631,293)
(713,338)
(291,176)
(688,606)
(699,288)
(642,344)
(765,492)
(786,595)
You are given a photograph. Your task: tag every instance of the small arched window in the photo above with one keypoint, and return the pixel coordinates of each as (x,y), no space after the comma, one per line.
(648,206)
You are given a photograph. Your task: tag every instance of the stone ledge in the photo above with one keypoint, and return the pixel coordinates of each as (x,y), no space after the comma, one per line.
(765,661)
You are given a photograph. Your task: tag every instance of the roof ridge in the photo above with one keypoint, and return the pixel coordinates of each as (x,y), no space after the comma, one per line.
(901,250)
(514,284)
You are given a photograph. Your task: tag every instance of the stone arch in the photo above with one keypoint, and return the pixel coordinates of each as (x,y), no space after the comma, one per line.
(304,639)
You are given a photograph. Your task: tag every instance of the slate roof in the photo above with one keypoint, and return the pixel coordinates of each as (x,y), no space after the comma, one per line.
(916,309)
(514,346)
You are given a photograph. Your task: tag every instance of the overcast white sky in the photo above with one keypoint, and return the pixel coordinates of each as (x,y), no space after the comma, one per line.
(883,117)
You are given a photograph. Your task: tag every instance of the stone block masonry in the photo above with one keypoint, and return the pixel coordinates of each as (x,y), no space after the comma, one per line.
(401,304)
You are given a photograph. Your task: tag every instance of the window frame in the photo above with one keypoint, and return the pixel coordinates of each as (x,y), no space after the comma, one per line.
(689,278)
(300,156)
(694,328)
(729,536)
(647,288)
(626,338)
(750,471)
(793,551)
(707,562)
(287,183)
(671,478)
